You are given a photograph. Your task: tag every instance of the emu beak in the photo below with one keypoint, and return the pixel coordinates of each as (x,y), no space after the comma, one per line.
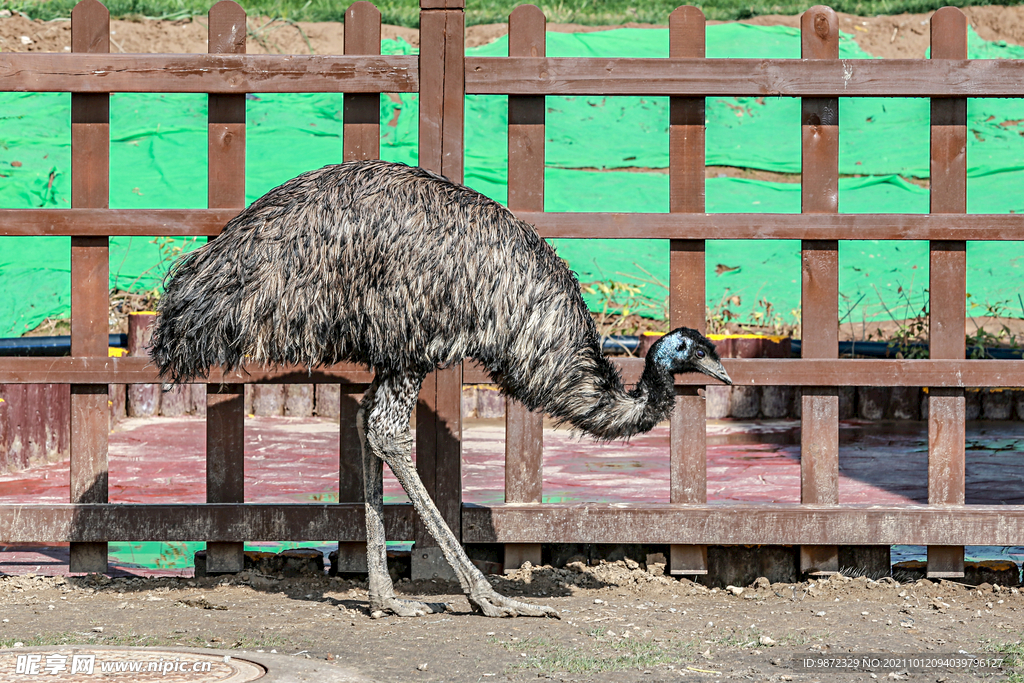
(713,368)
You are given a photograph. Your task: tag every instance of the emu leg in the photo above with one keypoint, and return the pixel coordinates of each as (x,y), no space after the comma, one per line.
(392,406)
(381,590)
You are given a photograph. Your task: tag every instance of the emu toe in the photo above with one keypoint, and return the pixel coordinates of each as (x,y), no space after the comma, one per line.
(492,604)
(406,608)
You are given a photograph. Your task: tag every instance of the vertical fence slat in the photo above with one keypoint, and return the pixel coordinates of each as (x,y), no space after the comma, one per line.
(819,443)
(90,266)
(947,290)
(225,403)
(524,431)
(439,409)
(360,140)
(687,443)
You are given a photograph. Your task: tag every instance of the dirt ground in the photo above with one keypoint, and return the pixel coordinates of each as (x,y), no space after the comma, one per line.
(898,36)
(617,624)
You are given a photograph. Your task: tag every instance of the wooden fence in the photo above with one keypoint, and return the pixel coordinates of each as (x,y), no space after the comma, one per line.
(442,76)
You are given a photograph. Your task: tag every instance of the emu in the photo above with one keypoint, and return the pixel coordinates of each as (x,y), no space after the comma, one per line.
(404,271)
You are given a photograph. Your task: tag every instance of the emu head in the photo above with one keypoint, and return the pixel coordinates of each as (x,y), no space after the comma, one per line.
(686,350)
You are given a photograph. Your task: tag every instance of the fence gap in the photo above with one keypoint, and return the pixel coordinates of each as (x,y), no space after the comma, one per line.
(360,140)
(225,403)
(687,307)
(90,278)
(524,431)
(947,291)
(439,408)
(819,441)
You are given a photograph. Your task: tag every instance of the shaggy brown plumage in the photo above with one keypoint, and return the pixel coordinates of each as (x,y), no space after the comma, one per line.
(405,271)
(402,270)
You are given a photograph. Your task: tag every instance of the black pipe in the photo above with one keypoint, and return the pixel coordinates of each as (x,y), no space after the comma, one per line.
(617,344)
(48,346)
(620,343)
(880,349)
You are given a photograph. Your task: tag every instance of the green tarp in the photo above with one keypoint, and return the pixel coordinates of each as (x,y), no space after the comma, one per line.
(158,160)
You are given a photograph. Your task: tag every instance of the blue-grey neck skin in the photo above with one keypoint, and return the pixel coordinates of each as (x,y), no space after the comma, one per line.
(403,271)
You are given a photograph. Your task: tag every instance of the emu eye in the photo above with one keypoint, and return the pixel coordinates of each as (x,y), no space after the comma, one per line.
(700,353)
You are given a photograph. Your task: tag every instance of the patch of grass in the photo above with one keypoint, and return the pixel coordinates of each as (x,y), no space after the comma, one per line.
(626,654)
(73,638)
(1013,660)
(406,12)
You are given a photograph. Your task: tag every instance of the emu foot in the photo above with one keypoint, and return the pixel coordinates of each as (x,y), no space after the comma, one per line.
(492,604)
(405,608)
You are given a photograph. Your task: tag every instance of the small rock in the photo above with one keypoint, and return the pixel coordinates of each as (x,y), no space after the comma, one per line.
(735,590)
(25,40)
(598,601)
(819,614)
(766,641)
(422,667)
(97,629)
(762,583)
(19,644)
(656,564)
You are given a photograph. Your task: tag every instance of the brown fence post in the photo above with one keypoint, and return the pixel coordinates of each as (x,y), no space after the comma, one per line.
(524,431)
(360,140)
(947,290)
(819,441)
(687,443)
(225,413)
(143,399)
(90,281)
(439,409)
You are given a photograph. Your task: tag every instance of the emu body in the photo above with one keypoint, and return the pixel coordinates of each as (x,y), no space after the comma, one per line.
(404,271)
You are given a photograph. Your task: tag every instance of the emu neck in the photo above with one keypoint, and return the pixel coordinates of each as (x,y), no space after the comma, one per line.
(656,389)
(606,410)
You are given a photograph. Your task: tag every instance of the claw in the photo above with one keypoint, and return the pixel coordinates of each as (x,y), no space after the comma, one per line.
(496,605)
(406,608)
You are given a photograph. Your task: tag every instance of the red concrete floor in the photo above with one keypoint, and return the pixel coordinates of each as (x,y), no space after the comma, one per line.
(294,460)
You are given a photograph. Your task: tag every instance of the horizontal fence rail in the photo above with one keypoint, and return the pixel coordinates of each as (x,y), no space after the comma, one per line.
(442,75)
(212,73)
(219,73)
(582,225)
(743,371)
(652,523)
(745,77)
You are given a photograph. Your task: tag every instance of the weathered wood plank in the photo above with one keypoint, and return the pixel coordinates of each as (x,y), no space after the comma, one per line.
(751,77)
(761,524)
(744,371)
(209,73)
(219,522)
(947,285)
(90,266)
(681,226)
